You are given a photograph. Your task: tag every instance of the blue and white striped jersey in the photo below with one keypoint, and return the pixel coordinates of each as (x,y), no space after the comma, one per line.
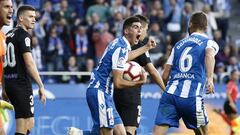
(114,58)
(187,77)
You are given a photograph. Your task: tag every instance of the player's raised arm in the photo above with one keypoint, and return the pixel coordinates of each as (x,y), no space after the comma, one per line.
(135,53)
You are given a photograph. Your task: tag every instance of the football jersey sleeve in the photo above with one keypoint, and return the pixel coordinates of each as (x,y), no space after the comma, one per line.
(212,44)
(119,58)
(170,59)
(24,43)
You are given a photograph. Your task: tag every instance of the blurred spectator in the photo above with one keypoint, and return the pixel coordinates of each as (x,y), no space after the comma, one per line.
(186,14)
(116,24)
(36,53)
(95,24)
(158,51)
(224,56)
(137,7)
(39,30)
(71,67)
(212,24)
(78,6)
(174,25)
(221,75)
(101,38)
(233,64)
(54,51)
(100,9)
(88,68)
(158,17)
(217,36)
(223,7)
(118,7)
(65,12)
(81,45)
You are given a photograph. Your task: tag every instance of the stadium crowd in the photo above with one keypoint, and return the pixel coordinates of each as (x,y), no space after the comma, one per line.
(71,35)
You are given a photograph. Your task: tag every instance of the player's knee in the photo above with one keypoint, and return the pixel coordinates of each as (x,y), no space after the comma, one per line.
(130,130)
(30,124)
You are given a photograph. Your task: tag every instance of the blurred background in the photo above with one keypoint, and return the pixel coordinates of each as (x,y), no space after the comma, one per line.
(70,36)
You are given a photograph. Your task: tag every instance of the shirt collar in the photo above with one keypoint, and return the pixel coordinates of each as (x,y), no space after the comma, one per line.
(201,34)
(128,44)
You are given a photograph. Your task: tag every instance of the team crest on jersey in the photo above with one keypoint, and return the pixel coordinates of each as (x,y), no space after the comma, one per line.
(27,41)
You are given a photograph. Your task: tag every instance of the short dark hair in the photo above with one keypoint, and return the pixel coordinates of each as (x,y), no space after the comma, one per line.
(129,21)
(199,21)
(24,8)
(144,20)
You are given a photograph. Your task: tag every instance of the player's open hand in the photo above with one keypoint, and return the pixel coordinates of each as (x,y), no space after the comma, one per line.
(209,86)
(42,95)
(151,43)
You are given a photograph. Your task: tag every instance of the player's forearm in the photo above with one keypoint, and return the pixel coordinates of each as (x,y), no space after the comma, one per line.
(166,73)
(155,76)
(121,83)
(210,62)
(135,53)
(32,69)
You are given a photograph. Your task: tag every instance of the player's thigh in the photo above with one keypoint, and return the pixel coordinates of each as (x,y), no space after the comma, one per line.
(167,113)
(192,111)
(102,109)
(21,98)
(131,114)
(128,105)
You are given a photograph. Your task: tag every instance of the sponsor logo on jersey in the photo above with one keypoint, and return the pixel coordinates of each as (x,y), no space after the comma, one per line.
(184,75)
(121,62)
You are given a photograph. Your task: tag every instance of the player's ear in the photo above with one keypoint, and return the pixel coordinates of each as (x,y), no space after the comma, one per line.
(126,31)
(20,18)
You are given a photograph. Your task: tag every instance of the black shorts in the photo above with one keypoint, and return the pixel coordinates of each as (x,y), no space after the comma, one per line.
(228,109)
(128,105)
(21,98)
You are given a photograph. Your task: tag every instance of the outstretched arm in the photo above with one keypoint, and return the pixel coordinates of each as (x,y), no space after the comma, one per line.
(135,53)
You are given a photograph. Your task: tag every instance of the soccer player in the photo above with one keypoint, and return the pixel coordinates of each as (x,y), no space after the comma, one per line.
(188,70)
(6,11)
(109,72)
(19,67)
(129,108)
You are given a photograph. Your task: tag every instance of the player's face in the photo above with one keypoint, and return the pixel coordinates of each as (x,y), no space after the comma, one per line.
(6,11)
(134,33)
(28,19)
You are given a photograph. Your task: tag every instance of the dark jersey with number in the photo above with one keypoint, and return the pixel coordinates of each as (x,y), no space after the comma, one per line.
(132,94)
(15,73)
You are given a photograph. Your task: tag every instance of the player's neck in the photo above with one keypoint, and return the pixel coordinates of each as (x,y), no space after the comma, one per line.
(199,31)
(22,26)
